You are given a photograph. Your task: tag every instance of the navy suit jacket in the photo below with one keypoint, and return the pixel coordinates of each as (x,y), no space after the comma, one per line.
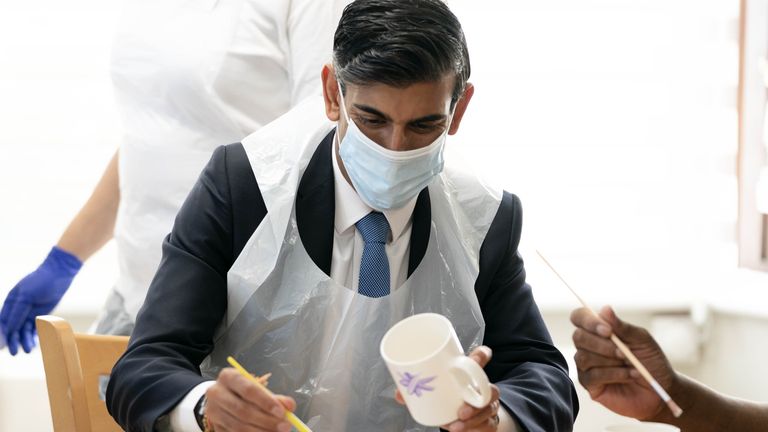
(187,298)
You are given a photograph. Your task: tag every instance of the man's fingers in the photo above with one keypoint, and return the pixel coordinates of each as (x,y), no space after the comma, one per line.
(586,360)
(482,416)
(221,420)
(251,393)
(229,410)
(600,377)
(584,318)
(482,419)
(586,341)
(224,421)
(399,397)
(287,402)
(627,332)
(482,355)
(472,418)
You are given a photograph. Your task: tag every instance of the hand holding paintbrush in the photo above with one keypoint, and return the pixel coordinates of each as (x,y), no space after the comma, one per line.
(289,416)
(611,370)
(609,375)
(240,401)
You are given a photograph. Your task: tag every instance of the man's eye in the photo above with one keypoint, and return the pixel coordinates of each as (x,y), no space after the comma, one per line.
(425,127)
(370,121)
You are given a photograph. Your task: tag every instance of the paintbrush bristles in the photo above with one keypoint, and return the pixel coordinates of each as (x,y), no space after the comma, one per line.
(675,408)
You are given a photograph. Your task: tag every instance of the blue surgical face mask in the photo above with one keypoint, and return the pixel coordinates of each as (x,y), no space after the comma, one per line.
(386,179)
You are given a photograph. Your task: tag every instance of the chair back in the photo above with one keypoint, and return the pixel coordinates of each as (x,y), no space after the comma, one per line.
(73,363)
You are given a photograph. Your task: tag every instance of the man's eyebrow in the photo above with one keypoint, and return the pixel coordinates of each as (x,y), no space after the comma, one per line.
(430,118)
(425,119)
(371,110)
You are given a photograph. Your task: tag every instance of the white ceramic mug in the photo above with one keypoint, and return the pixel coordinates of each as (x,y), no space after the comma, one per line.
(642,427)
(434,376)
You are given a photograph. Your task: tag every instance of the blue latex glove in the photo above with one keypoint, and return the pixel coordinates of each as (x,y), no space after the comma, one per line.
(37,294)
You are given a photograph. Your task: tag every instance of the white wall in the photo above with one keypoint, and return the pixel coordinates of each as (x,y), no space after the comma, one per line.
(615,122)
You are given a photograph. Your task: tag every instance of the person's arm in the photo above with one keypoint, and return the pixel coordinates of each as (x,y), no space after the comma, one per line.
(94,224)
(39,292)
(531,373)
(186,302)
(706,410)
(615,384)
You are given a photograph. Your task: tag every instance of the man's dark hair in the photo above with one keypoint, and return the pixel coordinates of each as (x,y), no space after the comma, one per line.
(399,43)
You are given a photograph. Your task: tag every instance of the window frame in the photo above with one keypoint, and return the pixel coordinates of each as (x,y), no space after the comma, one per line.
(752,98)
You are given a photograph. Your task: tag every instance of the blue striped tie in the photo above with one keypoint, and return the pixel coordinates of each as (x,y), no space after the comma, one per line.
(374,266)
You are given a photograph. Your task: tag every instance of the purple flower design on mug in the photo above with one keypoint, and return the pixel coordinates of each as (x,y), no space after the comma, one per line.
(415,386)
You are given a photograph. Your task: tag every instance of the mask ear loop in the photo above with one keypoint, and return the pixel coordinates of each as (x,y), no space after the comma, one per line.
(343,110)
(343,102)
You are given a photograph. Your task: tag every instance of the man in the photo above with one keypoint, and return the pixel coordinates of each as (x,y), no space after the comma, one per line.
(611,381)
(300,247)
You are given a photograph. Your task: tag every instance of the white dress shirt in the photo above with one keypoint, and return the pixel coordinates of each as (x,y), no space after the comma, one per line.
(345,270)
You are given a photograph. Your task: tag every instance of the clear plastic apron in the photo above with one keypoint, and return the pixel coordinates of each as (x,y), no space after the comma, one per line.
(320,340)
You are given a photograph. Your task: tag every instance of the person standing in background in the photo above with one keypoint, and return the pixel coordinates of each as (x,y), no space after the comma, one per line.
(188,76)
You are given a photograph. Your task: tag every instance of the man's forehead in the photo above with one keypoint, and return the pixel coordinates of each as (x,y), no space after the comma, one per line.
(418,99)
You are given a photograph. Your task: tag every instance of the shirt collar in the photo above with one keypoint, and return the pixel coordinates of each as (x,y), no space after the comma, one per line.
(350,208)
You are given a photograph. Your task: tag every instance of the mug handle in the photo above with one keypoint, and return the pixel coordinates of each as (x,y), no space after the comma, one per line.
(472,381)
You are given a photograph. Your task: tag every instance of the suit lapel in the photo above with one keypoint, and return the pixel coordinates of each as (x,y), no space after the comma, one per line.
(316,206)
(422,221)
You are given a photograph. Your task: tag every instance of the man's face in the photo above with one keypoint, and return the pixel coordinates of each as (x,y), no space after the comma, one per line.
(397,119)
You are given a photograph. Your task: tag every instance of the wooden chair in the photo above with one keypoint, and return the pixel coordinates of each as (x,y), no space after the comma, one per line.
(73,364)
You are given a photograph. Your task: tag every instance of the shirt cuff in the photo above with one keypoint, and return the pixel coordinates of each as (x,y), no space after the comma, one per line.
(506,422)
(183,415)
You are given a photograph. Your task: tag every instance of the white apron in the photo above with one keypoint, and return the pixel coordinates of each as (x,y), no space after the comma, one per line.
(320,340)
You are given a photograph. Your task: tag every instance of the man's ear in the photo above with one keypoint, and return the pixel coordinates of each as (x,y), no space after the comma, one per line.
(331,91)
(461,107)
